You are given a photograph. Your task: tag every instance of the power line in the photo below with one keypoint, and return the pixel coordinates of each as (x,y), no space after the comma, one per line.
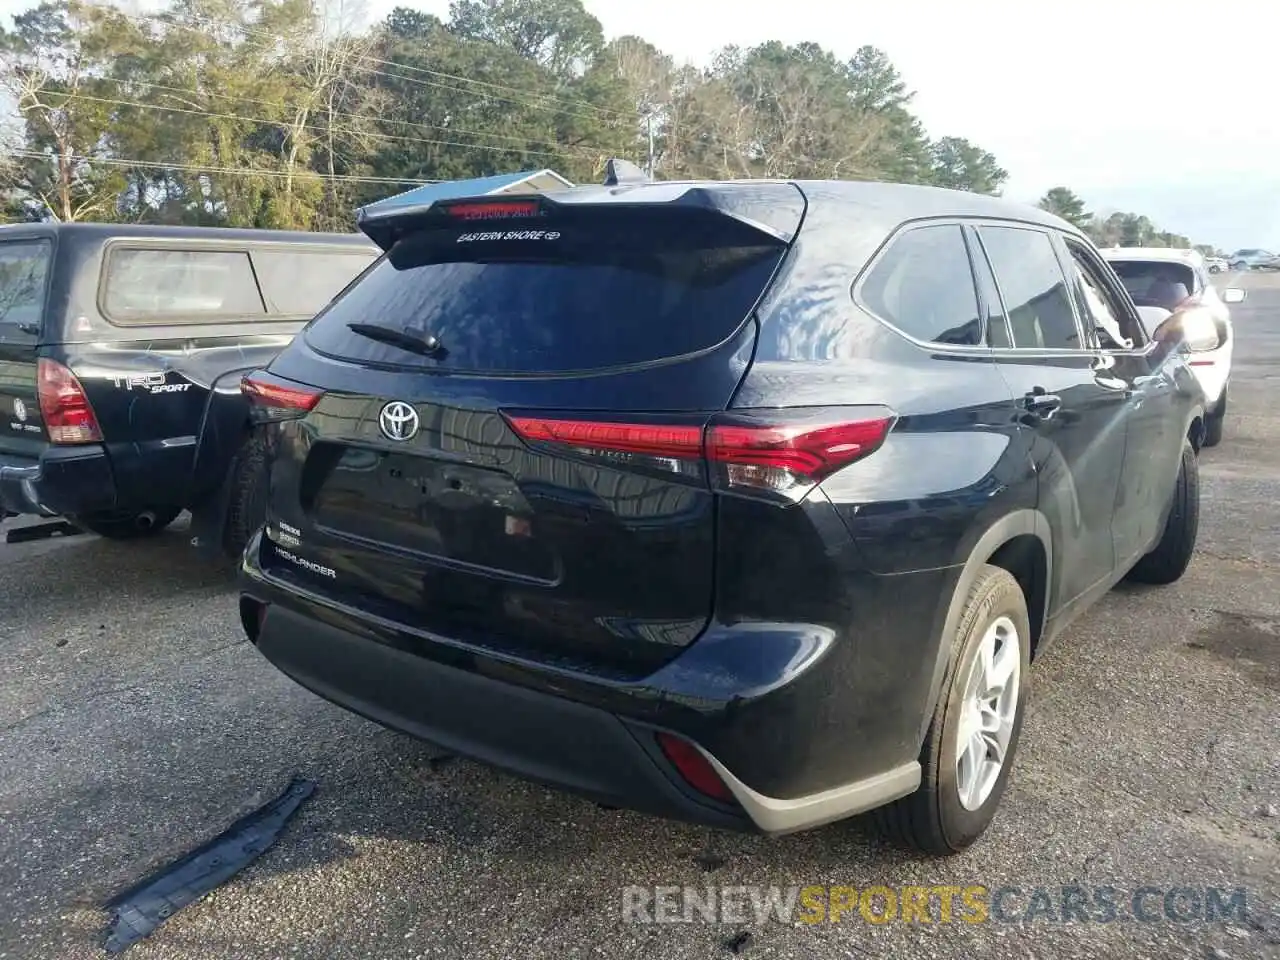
(523,97)
(138,104)
(231,98)
(602,111)
(199,169)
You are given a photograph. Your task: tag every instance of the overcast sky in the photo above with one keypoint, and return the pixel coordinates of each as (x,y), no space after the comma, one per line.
(1165,108)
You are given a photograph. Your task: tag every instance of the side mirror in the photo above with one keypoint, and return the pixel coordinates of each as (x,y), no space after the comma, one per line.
(1193,328)
(1233,295)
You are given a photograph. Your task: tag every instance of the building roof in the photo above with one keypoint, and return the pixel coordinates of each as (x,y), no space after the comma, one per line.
(530,180)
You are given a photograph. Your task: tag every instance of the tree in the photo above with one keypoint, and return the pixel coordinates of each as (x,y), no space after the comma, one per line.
(803,120)
(51,65)
(1063,203)
(961,165)
(516,115)
(647,80)
(901,152)
(1120,229)
(284,113)
(558,35)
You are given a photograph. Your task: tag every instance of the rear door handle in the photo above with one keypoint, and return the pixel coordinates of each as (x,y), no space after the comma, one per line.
(1043,405)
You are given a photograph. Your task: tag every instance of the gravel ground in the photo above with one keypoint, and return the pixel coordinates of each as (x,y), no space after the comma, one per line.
(135,723)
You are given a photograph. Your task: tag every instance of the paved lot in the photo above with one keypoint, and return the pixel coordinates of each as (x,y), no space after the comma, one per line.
(135,723)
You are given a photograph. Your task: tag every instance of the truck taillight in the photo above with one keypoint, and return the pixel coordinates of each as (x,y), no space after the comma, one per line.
(68,415)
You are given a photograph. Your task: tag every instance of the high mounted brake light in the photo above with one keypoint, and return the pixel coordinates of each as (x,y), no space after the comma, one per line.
(778,454)
(492,209)
(64,406)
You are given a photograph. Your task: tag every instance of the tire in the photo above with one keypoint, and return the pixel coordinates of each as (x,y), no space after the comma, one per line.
(1214,423)
(247,495)
(1172,555)
(129,526)
(934,819)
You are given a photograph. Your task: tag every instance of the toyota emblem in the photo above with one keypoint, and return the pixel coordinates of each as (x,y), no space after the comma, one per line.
(398,421)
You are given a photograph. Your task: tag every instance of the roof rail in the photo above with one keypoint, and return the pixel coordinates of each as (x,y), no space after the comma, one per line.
(618,171)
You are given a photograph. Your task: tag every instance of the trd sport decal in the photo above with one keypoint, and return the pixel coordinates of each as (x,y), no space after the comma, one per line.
(150,382)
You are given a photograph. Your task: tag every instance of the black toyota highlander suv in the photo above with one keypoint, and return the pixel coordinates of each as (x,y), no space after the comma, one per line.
(745,503)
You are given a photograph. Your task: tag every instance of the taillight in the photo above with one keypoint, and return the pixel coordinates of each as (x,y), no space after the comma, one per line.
(68,416)
(660,448)
(779,454)
(273,398)
(788,453)
(694,768)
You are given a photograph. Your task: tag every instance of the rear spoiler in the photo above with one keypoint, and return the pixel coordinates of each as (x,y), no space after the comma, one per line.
(774,208)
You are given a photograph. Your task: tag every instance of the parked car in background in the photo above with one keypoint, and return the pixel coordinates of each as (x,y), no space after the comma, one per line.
(121,353)
(1172,279)
(746,503)
(1251,259)
(1217,264)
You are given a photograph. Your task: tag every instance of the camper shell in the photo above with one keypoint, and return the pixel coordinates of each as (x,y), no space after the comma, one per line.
(121,352)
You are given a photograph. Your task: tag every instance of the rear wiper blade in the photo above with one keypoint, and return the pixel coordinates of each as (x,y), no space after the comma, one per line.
(425,345)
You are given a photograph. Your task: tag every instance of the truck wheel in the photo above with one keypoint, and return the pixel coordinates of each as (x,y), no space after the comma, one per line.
(969,749)
(247,495)
(129,526)
(1172,555)
(1214,423)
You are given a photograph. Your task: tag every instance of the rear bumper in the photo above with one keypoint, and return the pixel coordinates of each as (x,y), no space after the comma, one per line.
(593,737)
(63,480)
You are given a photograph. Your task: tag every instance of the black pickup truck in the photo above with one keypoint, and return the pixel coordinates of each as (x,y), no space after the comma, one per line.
(121,353)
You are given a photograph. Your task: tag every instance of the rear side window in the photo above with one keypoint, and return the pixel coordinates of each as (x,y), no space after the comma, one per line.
(1041,316)
(174,286)
(24,270)
(923,285)
(298,282)
(554,300)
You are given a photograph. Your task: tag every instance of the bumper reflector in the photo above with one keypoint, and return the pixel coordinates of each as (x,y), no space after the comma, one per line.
(695,768)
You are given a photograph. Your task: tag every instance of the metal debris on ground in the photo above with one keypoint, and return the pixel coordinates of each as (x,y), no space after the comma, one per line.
(139,910)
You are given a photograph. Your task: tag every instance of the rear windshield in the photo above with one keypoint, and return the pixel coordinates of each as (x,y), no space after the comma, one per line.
(1155,283)
(24,268)
(553,301)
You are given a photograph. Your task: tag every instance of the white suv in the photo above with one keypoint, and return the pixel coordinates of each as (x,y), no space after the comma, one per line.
(1169,278)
